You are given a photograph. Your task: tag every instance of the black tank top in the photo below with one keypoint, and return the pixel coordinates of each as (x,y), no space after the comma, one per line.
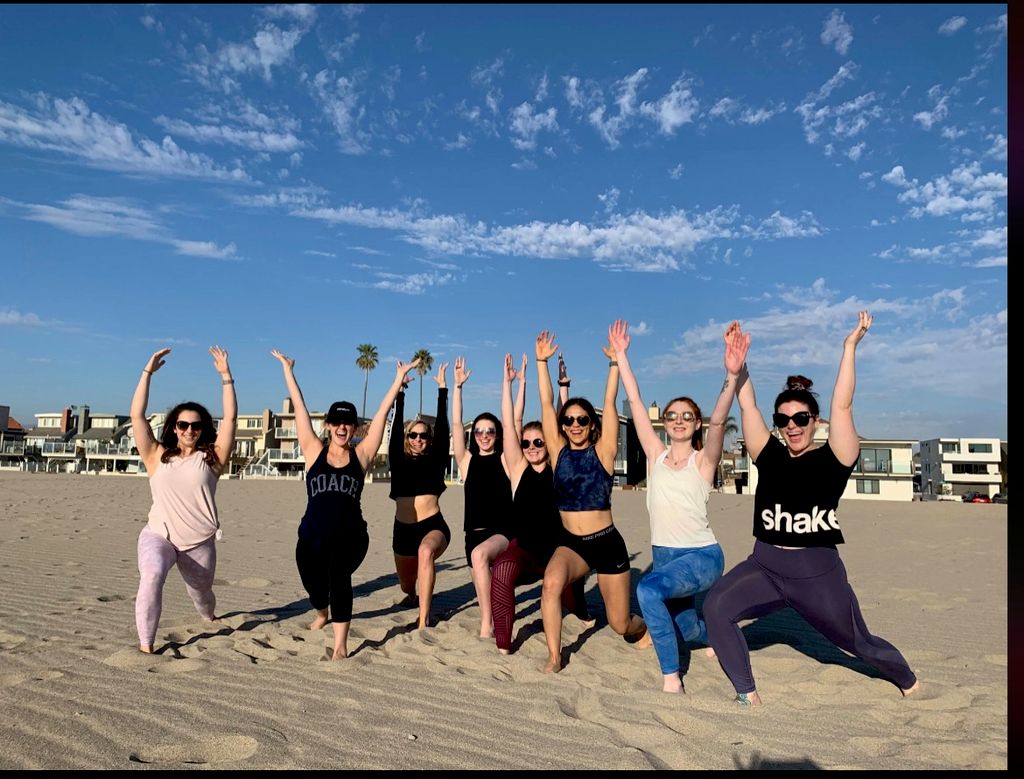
(488,495)
(333,495)
(537,521)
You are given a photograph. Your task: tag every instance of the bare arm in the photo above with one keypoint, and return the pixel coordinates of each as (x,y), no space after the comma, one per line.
(520,407)
(145,441)
(225,443)
(543,349)
(608,444)
(842,435)
(366,449)
(649,439)
(755,431)
(511,434)
(309,442)
(462,456)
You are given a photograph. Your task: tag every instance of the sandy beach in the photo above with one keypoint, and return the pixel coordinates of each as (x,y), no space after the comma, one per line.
(259,693)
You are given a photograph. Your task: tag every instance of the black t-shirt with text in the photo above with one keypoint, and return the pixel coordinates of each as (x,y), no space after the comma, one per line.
(796,499)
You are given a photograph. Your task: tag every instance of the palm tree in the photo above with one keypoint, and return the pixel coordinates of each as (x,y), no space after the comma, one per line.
(367,360)
(426,363)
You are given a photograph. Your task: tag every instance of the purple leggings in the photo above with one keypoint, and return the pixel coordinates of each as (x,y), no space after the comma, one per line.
(811,581)
(517,566)
(156,558)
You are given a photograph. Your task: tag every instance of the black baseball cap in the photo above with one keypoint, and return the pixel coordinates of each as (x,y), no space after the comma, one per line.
(342,412)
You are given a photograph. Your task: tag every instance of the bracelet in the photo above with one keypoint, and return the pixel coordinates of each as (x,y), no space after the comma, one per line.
(542,359)
(563,384)
(146,371)
(225,382)
(613,363)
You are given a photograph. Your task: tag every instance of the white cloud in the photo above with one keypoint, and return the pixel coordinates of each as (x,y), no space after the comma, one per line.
(205,249)
(851,117)
(732,110)
(542,89)
(939,111)
(610,199)
(407,283)
(352,10)
(676,173)
(676,108)
(952,132)
(837,32)
(992,239)
(642,328)
(854,152)
(998,150)
(952,24)
(779,225)
(460,142)
(524,125)
(965,190)
(611,128)
(573,95)
(317,253)
(14,318)
(989,262)
(70,127)
(339,99)
(484,77)
(256,140)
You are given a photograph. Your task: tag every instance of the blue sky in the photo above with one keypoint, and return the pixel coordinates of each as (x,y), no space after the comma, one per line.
(310,178)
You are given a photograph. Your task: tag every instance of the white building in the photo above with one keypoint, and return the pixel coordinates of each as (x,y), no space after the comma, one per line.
(954,466)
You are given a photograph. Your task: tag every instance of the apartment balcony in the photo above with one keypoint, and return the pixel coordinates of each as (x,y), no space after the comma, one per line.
(110,451)
(285,433)
(15,449)
(285,456)
(58,450)
(885,469)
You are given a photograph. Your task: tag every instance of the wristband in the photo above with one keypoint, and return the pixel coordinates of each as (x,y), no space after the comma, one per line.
(613,363)
(225,382)
(147,371)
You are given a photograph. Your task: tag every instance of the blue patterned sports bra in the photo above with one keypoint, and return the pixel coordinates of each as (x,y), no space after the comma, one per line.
(581,481)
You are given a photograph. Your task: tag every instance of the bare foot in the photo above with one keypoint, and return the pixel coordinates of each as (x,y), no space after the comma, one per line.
(213,620)
(673,684)
(589,622)
(486,632)
(709,652)
(748,698)
(339,653)
(912,690)
(503,651)
(553,666)
(645,642)
(319,622)
(146,649)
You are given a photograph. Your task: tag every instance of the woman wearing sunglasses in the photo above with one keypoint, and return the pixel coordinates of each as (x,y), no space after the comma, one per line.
(538,527)
(795,561)
(417,467)
(183,468)
(488,495)
(687,558)
(584,457)
(332,534)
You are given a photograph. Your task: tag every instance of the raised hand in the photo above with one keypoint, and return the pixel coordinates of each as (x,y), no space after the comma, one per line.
(510,371)
(737,344)
(563,374)
(608,351)
(618,337)
(156,362)
(402,370)
(220,360)
(440,377)
(461,374)
(521,375)
(864,320)
(286,361)
(545,346)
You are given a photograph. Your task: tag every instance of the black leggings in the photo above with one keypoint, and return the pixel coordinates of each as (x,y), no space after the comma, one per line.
(326,569)
(812,582)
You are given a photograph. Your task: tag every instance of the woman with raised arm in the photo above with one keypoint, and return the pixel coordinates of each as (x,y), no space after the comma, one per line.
(183,468)
(687,558)
(332,534)
(584,457)
(795,561)
(488,495)
(538,527)
(418,457)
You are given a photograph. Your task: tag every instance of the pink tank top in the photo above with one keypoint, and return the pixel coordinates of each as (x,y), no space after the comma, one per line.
(184,511)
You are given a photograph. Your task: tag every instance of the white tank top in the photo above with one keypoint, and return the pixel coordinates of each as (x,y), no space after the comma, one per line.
(678,504)
(184,511)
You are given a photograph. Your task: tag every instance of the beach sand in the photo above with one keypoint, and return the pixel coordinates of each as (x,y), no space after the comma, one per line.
(258,692)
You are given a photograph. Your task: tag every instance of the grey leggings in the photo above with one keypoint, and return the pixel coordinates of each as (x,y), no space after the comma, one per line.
(156,558)
(812,582)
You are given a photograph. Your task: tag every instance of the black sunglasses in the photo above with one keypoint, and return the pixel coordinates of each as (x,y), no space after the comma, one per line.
(182,425)
(536,442)
(583,421)
(416,434)
(800,418)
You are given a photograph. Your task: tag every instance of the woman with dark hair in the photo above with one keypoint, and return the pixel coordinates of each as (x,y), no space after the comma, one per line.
(183,468)
(488,495)
(538,528)
(332,534)
(795,561)
(418,458)
(687,558)
(584,457)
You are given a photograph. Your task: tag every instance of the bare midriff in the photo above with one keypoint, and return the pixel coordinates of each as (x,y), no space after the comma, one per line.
(410,510)
(583,523)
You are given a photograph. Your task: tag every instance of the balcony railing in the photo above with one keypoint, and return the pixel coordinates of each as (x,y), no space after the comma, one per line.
(111,450)
(288,455)
(18,448)
(283,433)
(884,468)
(58,449)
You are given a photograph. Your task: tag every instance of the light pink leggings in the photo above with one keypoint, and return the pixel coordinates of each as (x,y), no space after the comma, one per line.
(156,558)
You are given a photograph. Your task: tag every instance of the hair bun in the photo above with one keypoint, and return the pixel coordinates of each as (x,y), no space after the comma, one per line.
(798,383)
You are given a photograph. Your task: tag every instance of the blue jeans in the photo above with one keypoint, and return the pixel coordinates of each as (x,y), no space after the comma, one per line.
(666,597)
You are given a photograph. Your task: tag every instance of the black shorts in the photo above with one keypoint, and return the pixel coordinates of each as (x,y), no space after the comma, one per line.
(476,537)
(603,551)
(408,536)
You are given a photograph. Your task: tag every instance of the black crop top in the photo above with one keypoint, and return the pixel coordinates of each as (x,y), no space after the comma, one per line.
(423,475)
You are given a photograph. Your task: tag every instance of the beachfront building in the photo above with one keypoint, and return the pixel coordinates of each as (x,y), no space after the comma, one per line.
(884,470)
(954,466)
(12,440)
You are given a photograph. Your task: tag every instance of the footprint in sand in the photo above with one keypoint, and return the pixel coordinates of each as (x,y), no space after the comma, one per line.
(996,660)
(254,583)
(215,749)
(133,658)
(10,680)
(178,667)
(10,640)
(109,598)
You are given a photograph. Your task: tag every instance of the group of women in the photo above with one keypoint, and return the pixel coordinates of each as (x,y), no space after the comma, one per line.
(538,508)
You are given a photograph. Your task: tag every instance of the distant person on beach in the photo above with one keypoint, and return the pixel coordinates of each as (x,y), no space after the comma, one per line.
(418,458)
(687,558)
(183,468)
(332,534)
(584,457)
(488,495)
(795,561)
(536,524)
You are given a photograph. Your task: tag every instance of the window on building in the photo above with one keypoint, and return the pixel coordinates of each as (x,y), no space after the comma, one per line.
(970,468)
(951,447)
(252,424)
(867,486)
(876,460)
(979,448)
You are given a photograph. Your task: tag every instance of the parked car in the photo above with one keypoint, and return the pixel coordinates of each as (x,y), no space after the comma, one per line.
(999,497)
(976,497)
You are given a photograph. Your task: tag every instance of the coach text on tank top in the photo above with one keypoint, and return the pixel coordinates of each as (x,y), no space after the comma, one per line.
(333,499)
(184,511)
(677,502)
